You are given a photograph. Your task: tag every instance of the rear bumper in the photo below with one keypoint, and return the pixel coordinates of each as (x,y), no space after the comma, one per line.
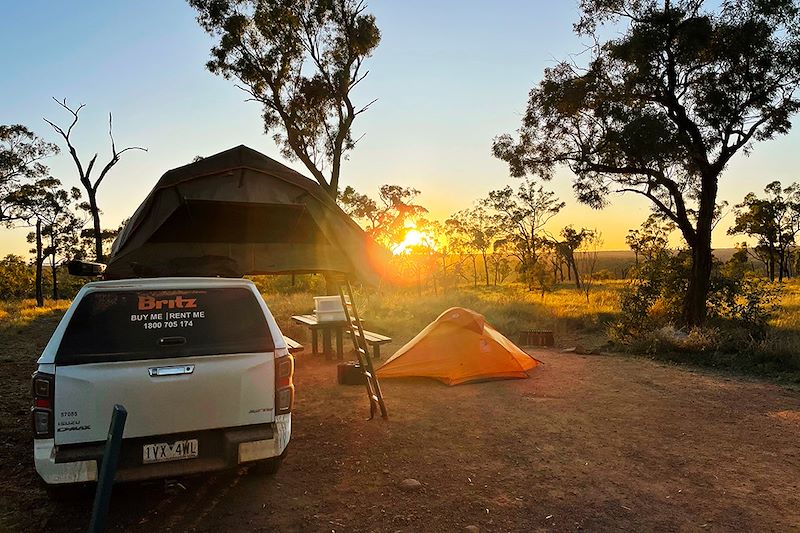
(219,449)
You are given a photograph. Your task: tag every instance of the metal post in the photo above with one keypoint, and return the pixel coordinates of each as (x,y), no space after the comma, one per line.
(108,470)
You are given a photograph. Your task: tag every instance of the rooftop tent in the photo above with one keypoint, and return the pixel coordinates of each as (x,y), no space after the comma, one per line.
(237,213)
(459,347)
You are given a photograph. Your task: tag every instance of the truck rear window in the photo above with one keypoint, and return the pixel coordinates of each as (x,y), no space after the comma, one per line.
(135,325)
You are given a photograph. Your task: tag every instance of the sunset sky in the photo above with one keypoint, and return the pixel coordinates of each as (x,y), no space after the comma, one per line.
(448,75)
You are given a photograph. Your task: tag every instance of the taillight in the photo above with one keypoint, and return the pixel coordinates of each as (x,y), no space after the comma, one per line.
(43,386)
(284,388)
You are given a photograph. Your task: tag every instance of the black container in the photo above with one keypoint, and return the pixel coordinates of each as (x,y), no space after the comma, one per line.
(349,373)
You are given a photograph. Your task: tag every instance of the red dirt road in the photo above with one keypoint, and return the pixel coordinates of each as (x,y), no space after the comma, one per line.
(587,443)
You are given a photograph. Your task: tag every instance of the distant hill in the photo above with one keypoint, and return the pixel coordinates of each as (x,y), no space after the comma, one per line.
(618,255)
(618,261)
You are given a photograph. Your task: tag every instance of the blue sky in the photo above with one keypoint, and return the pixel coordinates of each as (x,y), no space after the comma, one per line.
(448,75)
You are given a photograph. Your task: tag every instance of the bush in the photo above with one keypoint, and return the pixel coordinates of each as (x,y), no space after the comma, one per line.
(740,306)
(17,278)
(737,298)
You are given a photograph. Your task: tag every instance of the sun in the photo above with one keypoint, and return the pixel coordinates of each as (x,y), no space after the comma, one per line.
(413,237)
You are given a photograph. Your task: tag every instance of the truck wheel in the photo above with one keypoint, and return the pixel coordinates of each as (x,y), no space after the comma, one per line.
(67,492)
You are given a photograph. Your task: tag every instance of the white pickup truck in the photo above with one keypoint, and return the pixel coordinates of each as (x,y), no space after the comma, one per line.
(199,364)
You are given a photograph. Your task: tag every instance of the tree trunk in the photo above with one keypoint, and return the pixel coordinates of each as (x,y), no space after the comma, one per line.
(444,275)
(53,266)
(695,309)
(771,265)
(694,305)
(39,261)
(781,263)
(474,270)
(54,270)
(574,266)
(485,267)
(98,234)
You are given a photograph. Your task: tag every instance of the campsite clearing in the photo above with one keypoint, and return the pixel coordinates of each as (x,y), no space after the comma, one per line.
(589,442)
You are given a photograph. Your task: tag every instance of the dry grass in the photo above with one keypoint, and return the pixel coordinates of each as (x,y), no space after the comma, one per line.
(402,313)
(17,313)
(788,319)
(783,339)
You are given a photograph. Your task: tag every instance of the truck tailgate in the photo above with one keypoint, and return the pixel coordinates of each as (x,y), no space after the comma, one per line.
(211,391)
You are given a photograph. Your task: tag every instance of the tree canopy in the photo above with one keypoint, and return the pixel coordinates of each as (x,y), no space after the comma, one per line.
(388,221)
(301,61)
(43,204)
(21,155)
(660,110)
(774,221)
(521,216)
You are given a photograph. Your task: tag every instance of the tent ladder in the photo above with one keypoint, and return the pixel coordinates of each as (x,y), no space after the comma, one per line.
(356,329)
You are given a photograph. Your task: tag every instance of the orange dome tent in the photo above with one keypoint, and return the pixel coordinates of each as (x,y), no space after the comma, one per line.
(459,347)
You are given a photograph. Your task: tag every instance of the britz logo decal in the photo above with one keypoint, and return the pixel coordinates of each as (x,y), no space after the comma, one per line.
(148,303)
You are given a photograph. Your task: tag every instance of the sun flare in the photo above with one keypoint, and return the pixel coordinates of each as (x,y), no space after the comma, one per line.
(413,238)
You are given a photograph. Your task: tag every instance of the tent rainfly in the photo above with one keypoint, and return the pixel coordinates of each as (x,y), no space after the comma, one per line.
(237,213)
(459,347)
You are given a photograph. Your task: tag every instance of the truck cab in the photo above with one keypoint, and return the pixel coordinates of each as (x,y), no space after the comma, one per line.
(199,364)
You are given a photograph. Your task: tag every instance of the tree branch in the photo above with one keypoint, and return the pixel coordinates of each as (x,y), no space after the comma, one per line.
(115,156)
(66,134)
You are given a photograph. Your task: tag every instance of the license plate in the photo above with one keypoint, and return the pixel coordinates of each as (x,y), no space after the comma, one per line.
(164,451)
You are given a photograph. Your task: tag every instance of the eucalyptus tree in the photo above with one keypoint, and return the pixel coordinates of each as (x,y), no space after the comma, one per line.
(571,241)
(301,60)
(479,230)
(521,216)
(775,221)
(50,210)
(21,156)
(661,109)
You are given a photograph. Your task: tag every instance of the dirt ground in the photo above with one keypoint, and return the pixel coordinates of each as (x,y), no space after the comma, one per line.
(587,443)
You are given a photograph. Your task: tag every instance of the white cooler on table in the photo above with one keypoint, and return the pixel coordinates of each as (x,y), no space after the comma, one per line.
(329,309)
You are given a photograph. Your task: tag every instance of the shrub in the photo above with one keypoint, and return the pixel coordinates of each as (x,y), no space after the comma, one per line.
(738,301)
(16,278)
(737,335)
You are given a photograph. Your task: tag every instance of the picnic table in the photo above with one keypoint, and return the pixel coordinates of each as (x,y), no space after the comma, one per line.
(328,328)
(375,340)
(292,345)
